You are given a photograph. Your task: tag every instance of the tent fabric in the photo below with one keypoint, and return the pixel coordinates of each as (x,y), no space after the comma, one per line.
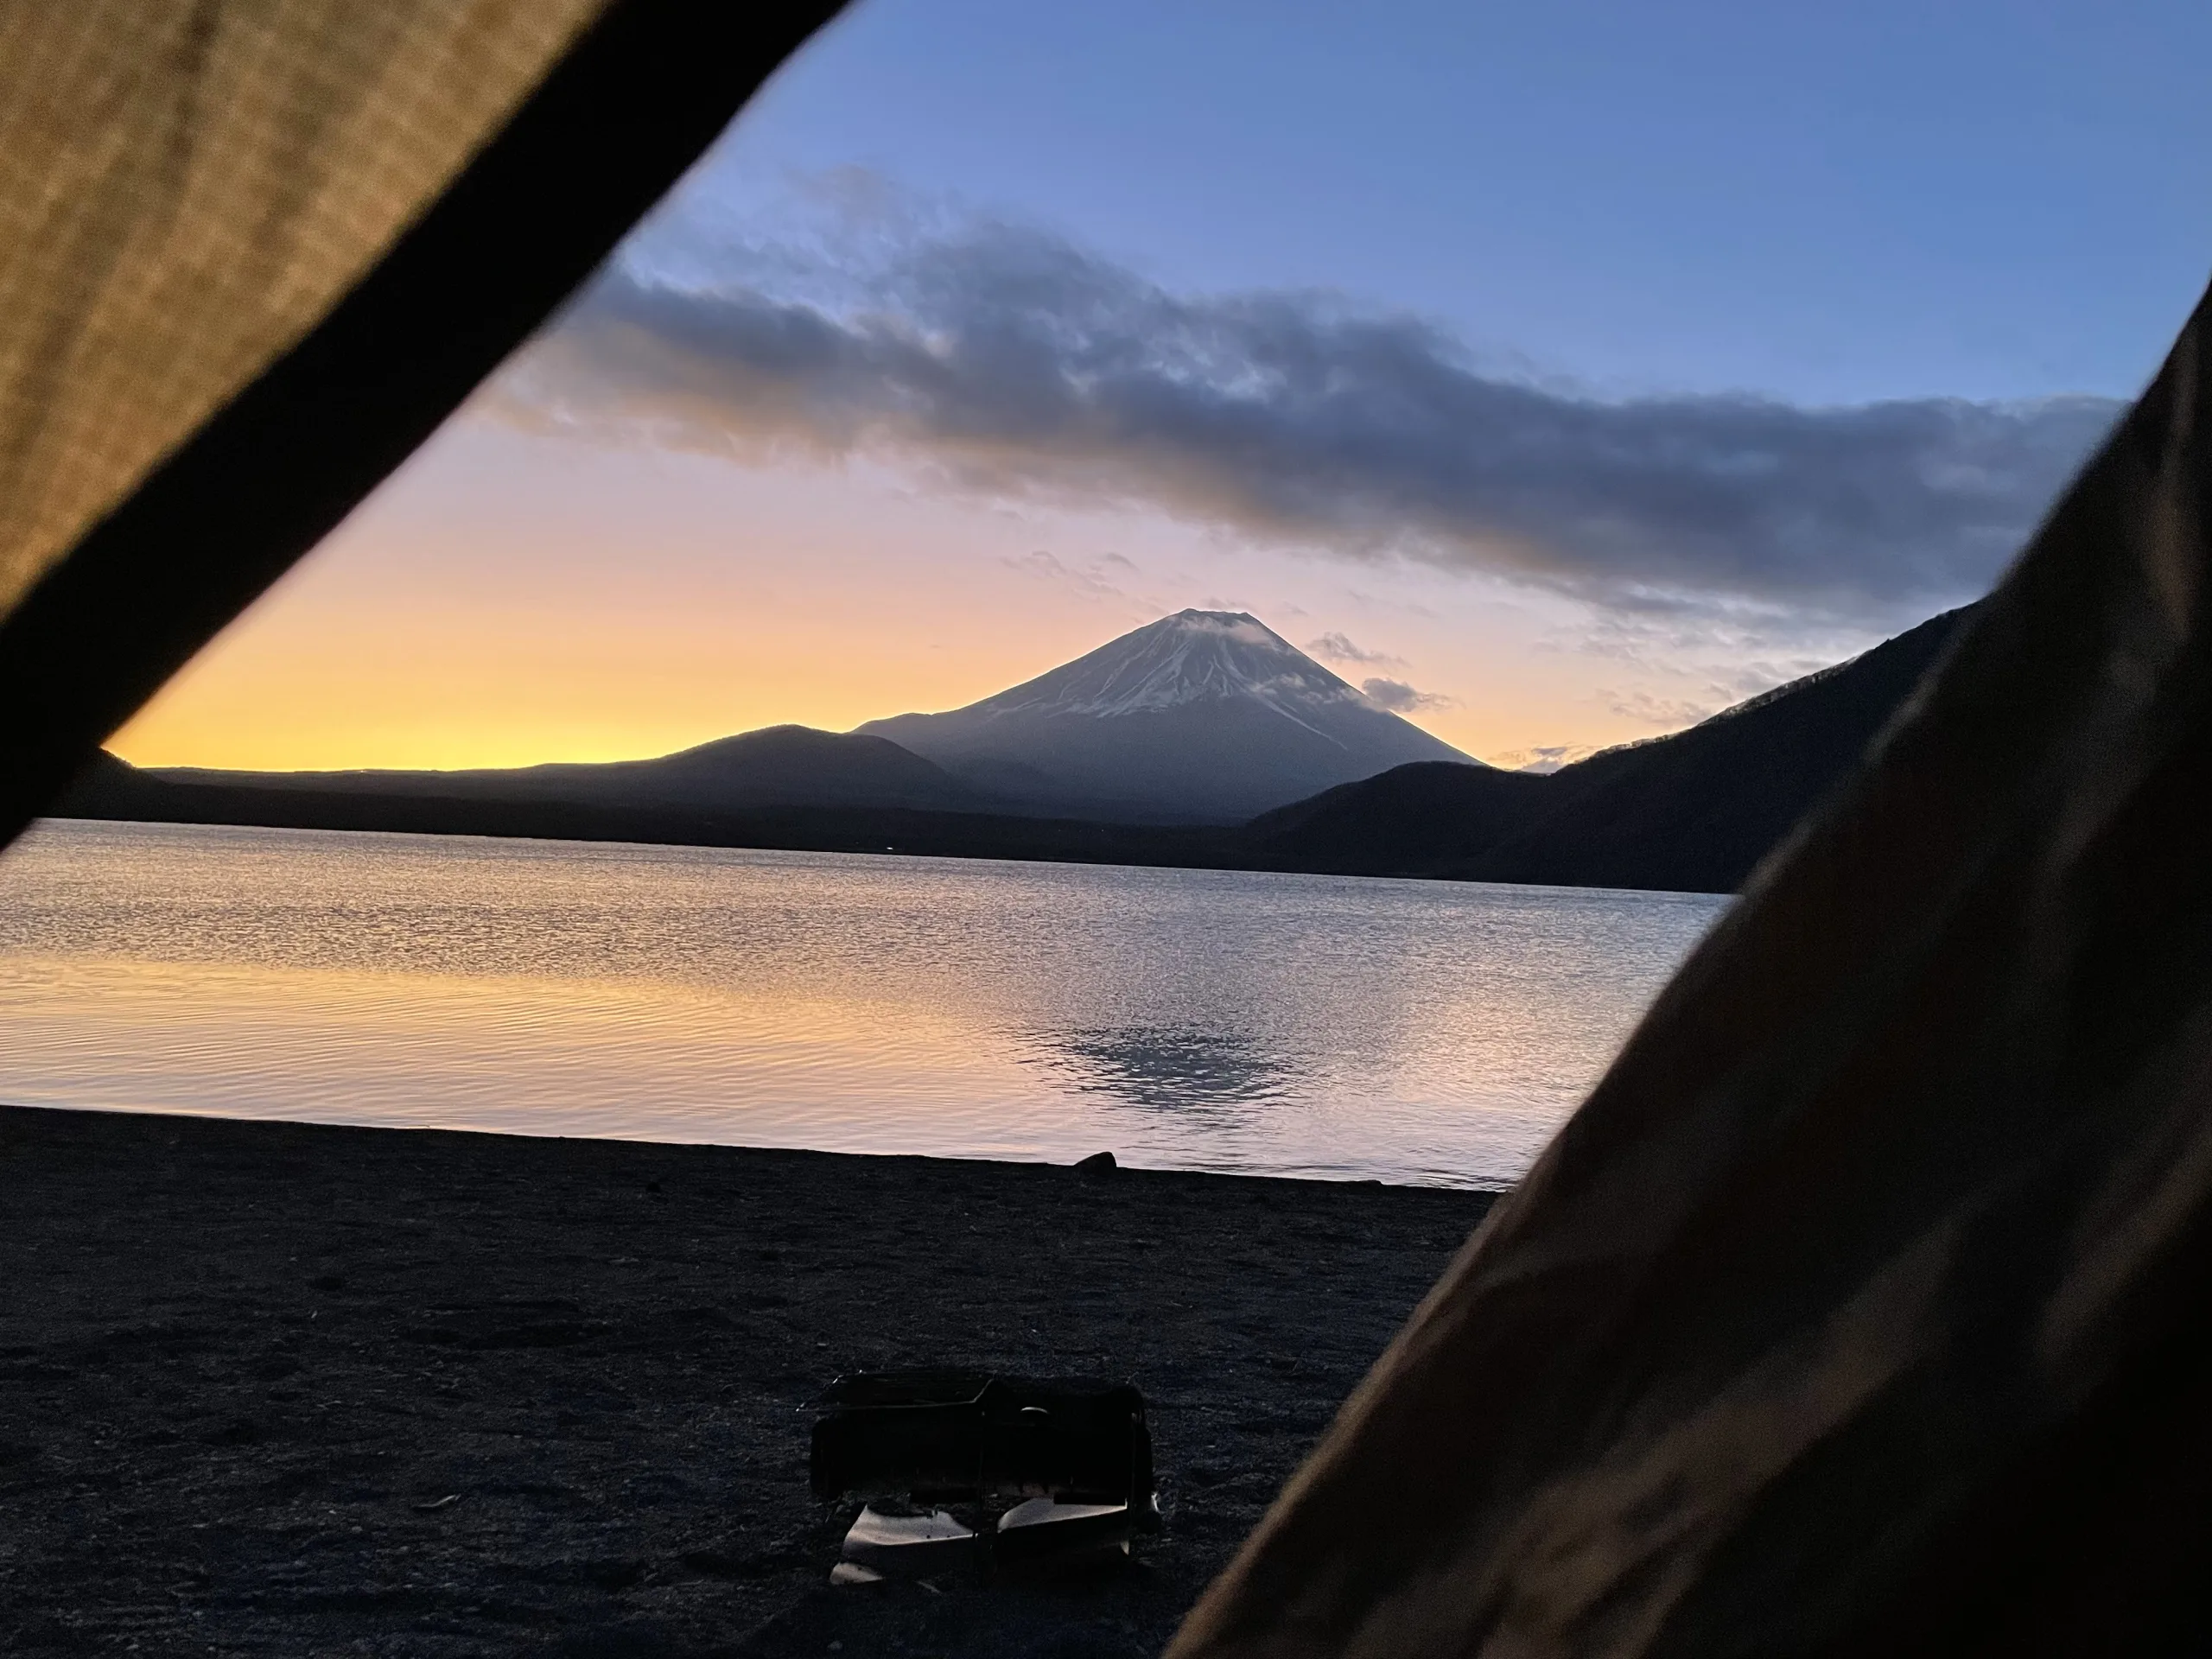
(251,252)
(1864,1305)
(185,190)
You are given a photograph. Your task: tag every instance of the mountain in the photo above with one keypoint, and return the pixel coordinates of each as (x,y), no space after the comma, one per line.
(112,788)
(780,765)
(1694,812)
(1204,716)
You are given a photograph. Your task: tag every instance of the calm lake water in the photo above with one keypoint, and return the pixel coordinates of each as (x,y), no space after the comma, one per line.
(1410,1031)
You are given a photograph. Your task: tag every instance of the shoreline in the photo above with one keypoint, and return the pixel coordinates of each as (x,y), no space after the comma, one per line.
(1281,841)
(1568,888)
(245,1358)
(1483,1186)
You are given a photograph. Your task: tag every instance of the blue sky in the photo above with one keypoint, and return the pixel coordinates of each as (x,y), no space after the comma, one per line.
(1594,364)
(1830,203)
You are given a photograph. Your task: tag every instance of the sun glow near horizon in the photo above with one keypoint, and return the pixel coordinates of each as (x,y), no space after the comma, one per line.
(510,599)
(939,370)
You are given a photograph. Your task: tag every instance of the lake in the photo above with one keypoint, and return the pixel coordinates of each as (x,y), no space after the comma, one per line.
(1419,1032)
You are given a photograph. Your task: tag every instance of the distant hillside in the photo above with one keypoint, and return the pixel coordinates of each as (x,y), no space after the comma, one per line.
(781,766)
(1690,812)
(1204,716)
(109,788)
(1412,818)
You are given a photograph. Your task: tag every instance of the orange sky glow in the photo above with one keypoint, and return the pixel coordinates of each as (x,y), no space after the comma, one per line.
(615,605)
(507,599)
(956,358)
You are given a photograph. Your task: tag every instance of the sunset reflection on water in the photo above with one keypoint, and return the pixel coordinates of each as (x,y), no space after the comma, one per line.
(1400,1030)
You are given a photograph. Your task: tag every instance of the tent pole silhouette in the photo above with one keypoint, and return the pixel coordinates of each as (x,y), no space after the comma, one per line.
(257,253)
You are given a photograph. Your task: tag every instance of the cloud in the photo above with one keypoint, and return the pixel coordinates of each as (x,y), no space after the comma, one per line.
(1671,713)
(1089,579)
(998,359)
(1544,758)
(1401,699)
(1333,647)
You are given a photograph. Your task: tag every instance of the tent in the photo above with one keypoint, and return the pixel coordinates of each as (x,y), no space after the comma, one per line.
(252,252)
(1864,1307)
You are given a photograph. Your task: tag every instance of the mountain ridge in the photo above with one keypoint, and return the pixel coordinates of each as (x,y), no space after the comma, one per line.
(1695,810)
(1202,716)
(1692,812)
(774,766)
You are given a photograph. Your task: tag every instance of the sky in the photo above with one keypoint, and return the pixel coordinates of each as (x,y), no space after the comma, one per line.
(1570,371)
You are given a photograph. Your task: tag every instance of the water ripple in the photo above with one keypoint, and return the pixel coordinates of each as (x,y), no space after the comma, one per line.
(1404,1030)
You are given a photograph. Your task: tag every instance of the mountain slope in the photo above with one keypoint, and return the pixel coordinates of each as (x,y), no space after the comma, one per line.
(1201,716)
(1411,819)
(780,765)
(1694,812)
(1691,812)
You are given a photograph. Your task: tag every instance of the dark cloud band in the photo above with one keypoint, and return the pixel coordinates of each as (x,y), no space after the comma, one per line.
(1007,361)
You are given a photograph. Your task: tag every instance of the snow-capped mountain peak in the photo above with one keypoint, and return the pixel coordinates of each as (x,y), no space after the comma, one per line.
(1207,715)
(1191,657)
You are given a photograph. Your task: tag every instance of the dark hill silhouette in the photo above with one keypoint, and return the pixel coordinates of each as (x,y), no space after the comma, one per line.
(1204,717)
(1691,812)
(779,766)
(112,789)
(1412,818)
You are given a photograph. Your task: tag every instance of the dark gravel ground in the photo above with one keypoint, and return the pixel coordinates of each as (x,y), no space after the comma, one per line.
(273,1388)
